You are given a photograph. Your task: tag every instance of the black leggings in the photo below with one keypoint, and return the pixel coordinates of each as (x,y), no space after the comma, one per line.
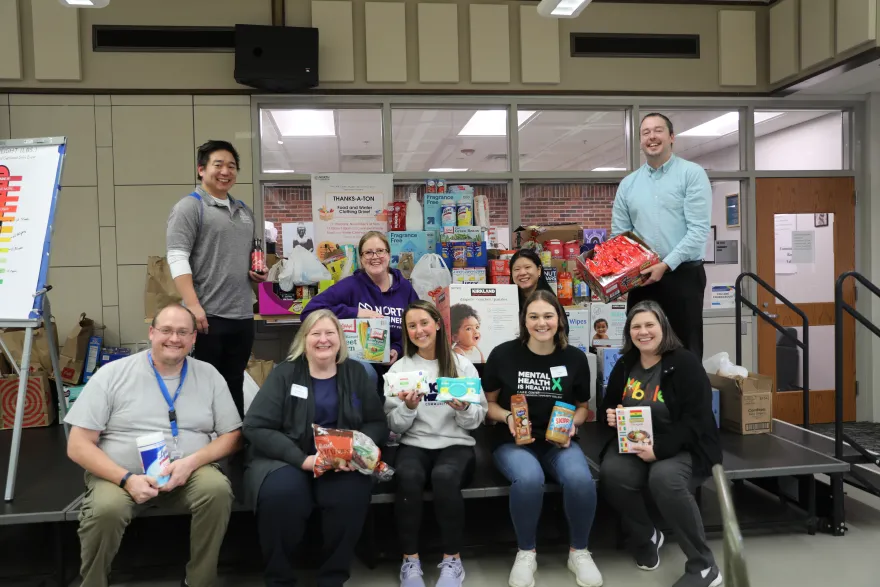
(227,346)
(448,470)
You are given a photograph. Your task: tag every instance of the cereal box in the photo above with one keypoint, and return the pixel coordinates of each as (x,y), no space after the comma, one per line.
(634,428)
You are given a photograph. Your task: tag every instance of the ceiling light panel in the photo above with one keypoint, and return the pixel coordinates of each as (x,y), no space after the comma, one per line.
(304,123)
(492,123)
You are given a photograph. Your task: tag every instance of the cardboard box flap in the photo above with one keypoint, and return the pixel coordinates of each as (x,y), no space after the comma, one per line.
(562,232)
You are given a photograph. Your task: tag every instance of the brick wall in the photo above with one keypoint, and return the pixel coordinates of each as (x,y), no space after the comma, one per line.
(587,204)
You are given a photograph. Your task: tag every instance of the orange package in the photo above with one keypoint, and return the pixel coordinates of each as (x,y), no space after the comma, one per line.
(337,448)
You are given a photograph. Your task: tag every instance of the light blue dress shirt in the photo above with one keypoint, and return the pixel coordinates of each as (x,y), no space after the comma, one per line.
(669,208)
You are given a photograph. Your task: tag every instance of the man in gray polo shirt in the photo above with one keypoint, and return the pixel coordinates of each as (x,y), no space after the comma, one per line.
(125,400)
(209,240)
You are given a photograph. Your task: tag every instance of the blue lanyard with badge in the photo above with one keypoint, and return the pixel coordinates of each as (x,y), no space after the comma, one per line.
(176,453)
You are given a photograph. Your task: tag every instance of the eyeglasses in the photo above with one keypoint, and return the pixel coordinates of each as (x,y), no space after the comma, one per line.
(376,253)
(182,333)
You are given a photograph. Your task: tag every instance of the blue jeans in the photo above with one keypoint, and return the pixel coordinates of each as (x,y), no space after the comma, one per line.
(525,466)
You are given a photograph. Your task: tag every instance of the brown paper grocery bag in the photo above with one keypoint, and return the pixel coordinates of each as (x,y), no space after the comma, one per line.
(259,370)
(73,354)
(159,289)
(14,339)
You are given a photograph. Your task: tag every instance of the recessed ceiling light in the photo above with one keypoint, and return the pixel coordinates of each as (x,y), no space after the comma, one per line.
(725,124)
(305,123)
(492,123)
(278,171)
(447,170)
(562,8)
(610,169)
(85,3)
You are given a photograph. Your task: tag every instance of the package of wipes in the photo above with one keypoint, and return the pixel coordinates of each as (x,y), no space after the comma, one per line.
(464,389)
(407,381)
(634,428)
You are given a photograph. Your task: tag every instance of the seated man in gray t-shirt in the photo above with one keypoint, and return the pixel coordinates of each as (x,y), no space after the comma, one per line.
(124,400)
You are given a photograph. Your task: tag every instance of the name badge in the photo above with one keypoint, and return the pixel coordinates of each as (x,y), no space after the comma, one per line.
(299,391)
(559,371)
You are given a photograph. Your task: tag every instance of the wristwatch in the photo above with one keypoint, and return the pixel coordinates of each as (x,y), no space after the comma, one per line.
(125,478)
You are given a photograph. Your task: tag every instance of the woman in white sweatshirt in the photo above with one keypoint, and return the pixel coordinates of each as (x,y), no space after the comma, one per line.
(436,445)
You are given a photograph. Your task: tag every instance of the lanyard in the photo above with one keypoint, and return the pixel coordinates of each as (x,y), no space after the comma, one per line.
(172,414)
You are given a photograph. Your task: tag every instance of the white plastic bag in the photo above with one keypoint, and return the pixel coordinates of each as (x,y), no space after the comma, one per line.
(305,268)
(429,276)
(713,363)
(275,271)
(721,364)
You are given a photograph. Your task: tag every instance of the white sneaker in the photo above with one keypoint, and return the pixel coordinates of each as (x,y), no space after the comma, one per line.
(523,572)
(580,562)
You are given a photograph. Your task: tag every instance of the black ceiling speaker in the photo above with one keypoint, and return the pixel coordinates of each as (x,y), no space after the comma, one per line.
(276,58)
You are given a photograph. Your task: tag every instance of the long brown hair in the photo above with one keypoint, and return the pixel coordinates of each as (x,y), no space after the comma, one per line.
(540,295)
(442,350)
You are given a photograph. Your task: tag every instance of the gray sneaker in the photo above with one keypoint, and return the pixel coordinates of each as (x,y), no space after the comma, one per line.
(708,578)
(451,572)
(411,573)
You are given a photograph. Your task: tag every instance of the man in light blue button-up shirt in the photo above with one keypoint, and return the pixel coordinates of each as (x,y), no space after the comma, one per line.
(668,203)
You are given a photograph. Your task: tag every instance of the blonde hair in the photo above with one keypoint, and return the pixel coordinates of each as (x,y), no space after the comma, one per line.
(370,234)
(298,346)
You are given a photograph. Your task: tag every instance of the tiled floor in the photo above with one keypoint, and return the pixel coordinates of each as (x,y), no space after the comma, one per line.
(774,560)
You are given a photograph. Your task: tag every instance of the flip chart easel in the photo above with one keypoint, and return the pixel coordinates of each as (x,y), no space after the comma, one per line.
(30,176)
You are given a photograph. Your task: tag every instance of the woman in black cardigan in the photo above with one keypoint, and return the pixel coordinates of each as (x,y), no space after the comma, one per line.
(317,384)
(657,372)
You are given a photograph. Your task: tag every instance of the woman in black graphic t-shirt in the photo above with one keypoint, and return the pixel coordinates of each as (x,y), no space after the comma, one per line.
(656,373)
(541,366)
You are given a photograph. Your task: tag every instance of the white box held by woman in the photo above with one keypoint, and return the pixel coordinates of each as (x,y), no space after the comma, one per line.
(634,428)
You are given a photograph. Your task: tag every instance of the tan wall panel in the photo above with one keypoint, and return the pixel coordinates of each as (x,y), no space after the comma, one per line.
(817,31)
(109,281)
(783,40)
(111,326)
(335,40)
(103,126)
(75,240)
(438,43)
(10,40)
(153,145)
(4,118)
(132,328)
(51,100)
(228,123)
(77,123)
(385,24)
(142,215)
(221,100)
(103,100)
(75,290)
(106,204)
(56,41)
(737,47)
(539,47)
(490,43)
(856,23)
(150,100)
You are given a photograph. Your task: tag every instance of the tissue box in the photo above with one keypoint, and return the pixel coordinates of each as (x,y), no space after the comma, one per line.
(634,428)
(368,339)
(465,389)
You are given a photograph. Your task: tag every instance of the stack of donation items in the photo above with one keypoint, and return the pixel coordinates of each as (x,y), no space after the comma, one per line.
(292,282)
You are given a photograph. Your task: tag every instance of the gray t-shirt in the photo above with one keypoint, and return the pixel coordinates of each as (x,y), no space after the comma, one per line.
(219,240)
(643,389)
(123,401)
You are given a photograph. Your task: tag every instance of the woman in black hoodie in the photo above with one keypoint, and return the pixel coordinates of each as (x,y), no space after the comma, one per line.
(317,384)
(658,373)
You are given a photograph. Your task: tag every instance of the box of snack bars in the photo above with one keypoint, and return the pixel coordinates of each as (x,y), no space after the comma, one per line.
(368,339)
(634,428)
(615,267)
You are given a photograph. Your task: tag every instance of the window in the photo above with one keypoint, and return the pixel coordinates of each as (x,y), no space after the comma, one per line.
(800,140)
(299,140)
(451,140)
(573,140)
(707,137)
(722,229)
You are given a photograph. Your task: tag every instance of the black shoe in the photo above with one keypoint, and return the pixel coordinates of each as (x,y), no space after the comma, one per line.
(648,555)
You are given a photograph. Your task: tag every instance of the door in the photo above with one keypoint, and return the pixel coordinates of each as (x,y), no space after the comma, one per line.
(805,240)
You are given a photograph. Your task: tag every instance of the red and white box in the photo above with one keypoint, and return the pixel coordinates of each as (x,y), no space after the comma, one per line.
(594,265)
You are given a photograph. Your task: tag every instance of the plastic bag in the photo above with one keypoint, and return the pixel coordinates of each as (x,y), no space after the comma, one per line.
(305,269)
(430,276)
(336,448)
(721,364)
(275,271)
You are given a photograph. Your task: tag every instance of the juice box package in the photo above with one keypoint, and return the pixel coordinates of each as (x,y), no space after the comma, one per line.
(368,339)
(469,275)
(608,322)
(419,243)
(479,317)
(464,389)
(634,428)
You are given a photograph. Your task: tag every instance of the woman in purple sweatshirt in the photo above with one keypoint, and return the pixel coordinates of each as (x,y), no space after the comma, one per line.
(374,291)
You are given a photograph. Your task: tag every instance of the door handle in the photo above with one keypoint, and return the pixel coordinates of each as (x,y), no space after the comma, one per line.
(774,316)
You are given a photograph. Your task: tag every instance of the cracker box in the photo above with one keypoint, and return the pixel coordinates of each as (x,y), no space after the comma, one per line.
(580,328)
(469,275)
(634,428)
(611,287)
(607,323)
(368,339)
(417,242)
(479,317)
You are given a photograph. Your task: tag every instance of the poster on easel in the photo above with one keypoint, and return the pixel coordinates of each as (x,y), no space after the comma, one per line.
(346,205)
(29,175)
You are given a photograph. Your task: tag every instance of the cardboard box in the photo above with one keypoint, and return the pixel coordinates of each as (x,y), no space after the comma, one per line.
(92,355)
(580,329)
(368,339)
(611,287)
(469,275)
(561,232)
(614,315)
(607,358)
(39,409)
(419,243)
(497,317)
(746,405)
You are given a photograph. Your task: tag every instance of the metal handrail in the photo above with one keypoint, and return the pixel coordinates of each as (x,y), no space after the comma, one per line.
(735,572)
(839,307)
(804,346)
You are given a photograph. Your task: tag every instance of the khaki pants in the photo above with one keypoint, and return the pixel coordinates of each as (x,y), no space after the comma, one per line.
(107,509)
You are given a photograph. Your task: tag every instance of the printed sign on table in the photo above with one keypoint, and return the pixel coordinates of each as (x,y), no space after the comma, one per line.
(346,205)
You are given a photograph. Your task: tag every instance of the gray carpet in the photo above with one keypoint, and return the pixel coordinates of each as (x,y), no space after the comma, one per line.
(866,434)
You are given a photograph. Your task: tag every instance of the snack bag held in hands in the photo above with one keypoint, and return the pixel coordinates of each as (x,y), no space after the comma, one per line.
(522,425)
(402,382)
(337,448)
(463,389)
